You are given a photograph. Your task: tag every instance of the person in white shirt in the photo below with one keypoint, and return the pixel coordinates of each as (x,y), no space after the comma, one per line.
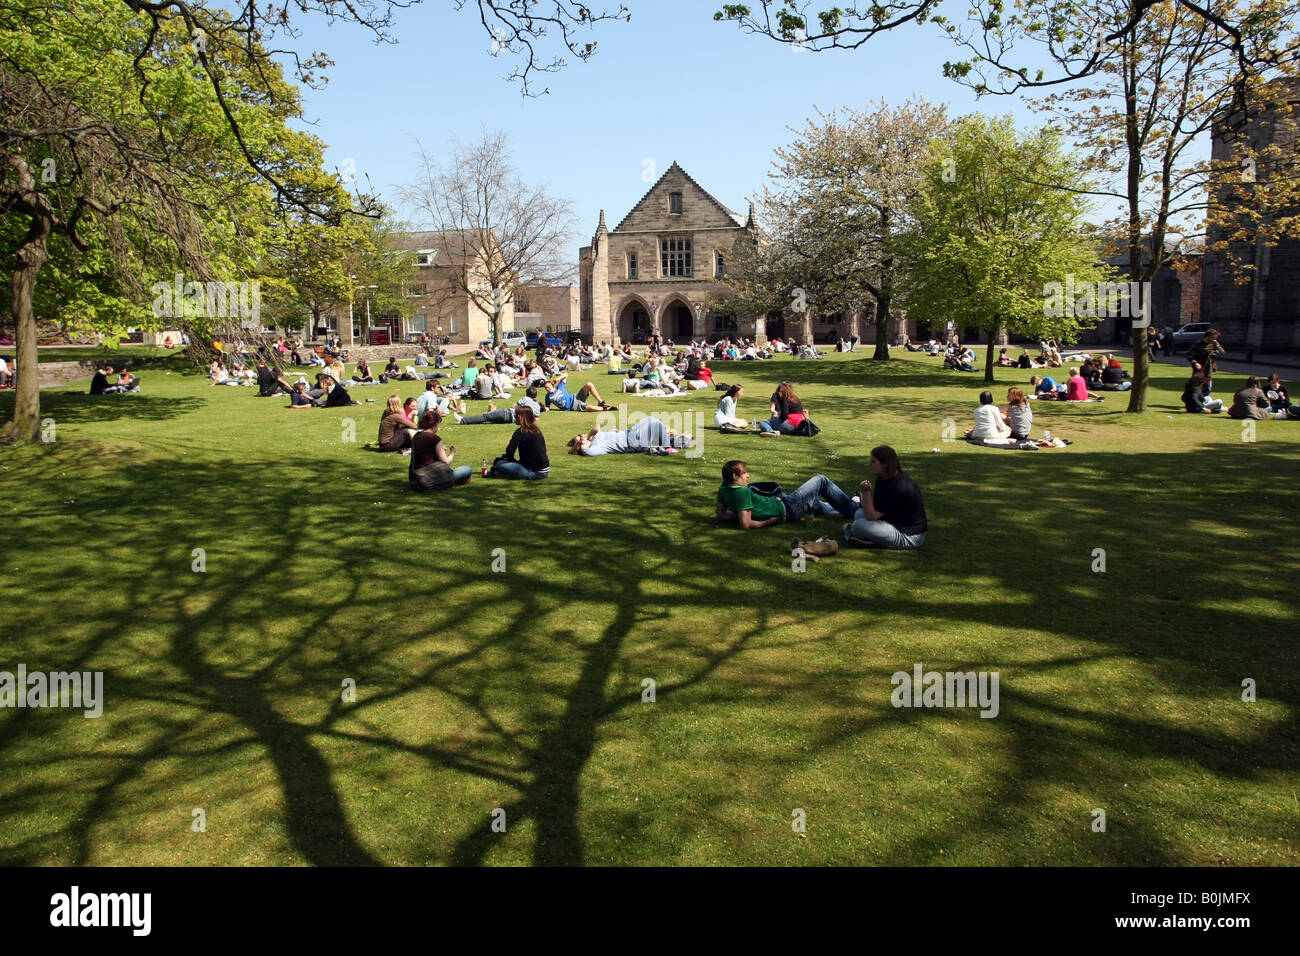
(6,377)
(988,420)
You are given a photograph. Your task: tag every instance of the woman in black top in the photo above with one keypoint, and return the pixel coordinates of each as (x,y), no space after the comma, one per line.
(1196,396)
(894,515)
(784,405)
(431,468)
(529,442)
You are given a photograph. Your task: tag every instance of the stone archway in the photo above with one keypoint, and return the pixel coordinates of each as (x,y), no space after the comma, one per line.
(677,320)
(633,322)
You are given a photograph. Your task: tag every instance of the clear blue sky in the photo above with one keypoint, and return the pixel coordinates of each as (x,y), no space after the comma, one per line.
(669,85)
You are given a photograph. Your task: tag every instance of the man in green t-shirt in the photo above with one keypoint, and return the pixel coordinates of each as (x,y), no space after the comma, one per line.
(750,510)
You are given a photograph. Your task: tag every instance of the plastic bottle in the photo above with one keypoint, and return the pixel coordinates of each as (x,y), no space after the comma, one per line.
(485,468)
(1047,436)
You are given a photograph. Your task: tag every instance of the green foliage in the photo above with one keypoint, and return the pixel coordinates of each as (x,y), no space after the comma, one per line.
(999,220)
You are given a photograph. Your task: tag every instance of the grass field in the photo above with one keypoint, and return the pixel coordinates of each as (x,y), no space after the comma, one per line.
(96,353)
(523,690)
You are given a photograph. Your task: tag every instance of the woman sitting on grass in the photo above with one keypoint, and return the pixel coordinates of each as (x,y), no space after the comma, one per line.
(648,435)
(725,413)
(893,516)
(1005,360)
(395,429)
(1251,402)
(1076,389)
(299,398)
(1114,378)
(1196,396)
(787,412)
(1018,413)
(362,375)
(431,468)
(532,462)
(988,420)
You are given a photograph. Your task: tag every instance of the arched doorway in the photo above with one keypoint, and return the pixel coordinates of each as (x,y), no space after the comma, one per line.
(775,325)
(633,323)
(677,322)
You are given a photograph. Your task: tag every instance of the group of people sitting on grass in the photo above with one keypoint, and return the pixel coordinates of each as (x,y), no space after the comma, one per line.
(787,414)
(1049,356)
(1073,389)
(1013,420)
(126,382)
(1253,400)
(889,514)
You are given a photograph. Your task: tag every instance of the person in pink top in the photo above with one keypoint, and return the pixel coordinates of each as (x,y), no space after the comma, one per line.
(1076,389)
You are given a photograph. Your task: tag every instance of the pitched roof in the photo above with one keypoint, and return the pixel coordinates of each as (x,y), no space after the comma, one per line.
(707,195)
(446,244)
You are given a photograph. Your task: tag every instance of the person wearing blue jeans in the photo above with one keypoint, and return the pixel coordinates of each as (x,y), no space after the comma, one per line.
(527,442)
(784,404)
(816,497)
(819,497)
(893,516)
(649,434)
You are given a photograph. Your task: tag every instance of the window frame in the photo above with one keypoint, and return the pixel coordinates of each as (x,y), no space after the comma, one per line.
(682,257)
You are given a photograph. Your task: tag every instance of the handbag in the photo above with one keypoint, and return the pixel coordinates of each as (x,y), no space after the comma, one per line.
(768,489)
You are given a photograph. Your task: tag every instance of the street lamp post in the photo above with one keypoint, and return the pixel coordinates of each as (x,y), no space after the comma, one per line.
(370,291)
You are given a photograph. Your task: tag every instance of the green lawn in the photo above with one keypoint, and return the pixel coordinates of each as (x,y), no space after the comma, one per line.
(522,690)
(96,353)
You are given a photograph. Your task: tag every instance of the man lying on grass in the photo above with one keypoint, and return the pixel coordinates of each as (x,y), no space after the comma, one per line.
(751,510)
(648,435)
(587,398)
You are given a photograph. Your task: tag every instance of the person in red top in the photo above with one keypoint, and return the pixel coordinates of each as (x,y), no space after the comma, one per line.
(1076,389)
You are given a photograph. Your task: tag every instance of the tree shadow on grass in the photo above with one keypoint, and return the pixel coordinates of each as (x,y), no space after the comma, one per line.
(82,409)
(524,689)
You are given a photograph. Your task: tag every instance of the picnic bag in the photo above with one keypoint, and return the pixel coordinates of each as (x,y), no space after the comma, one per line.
(435,476)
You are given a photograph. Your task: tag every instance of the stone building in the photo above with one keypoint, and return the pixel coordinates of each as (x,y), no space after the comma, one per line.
(660,268)
(540,306)
(436,303)
(1256,309)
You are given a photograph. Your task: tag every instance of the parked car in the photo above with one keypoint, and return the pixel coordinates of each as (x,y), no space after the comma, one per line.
(1188,335)
(512,338)
(552,340)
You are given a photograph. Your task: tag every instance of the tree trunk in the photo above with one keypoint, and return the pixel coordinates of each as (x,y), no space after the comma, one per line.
(882,320)
(994,335)
(28,260)
(808,325)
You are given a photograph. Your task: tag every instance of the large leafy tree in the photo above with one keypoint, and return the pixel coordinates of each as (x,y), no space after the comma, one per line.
(850,180)
(989,31)
(989,247)
(122,150)
(1144,116)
